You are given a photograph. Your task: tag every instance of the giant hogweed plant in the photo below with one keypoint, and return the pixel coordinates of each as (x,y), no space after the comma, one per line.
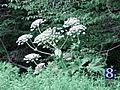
(55,39)
(52,38)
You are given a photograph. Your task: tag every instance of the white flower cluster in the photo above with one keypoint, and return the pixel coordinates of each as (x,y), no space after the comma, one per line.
(70,22)
(44,35)
(32,57)
(24,38)
(76,27)
(39,68)
(36,23)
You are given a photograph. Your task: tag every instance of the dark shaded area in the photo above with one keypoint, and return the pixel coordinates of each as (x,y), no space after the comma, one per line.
(113,58)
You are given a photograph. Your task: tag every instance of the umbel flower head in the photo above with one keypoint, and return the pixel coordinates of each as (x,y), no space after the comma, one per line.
(36,23)
(31,57)
(76,29)
(24,38)
(44,35)
(70,22)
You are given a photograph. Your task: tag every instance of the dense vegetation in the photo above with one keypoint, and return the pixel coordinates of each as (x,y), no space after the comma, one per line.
(51,79)
(78,58)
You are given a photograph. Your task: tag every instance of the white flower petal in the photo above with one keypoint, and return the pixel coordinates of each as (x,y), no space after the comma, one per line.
(83,33)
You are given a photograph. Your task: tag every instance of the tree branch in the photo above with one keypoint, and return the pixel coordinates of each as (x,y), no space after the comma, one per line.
(110,49)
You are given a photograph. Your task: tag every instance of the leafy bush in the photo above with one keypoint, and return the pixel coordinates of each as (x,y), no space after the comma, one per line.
(51,78)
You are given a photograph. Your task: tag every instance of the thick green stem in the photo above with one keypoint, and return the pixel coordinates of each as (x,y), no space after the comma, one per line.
(32,43)
(35,49)
(39,30)
(43,52)
(35,62)
(51,45)
(78,39)
(63,63)
(64,43)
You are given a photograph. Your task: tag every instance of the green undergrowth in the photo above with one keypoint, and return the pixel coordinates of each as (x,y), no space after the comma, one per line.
(51,79)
